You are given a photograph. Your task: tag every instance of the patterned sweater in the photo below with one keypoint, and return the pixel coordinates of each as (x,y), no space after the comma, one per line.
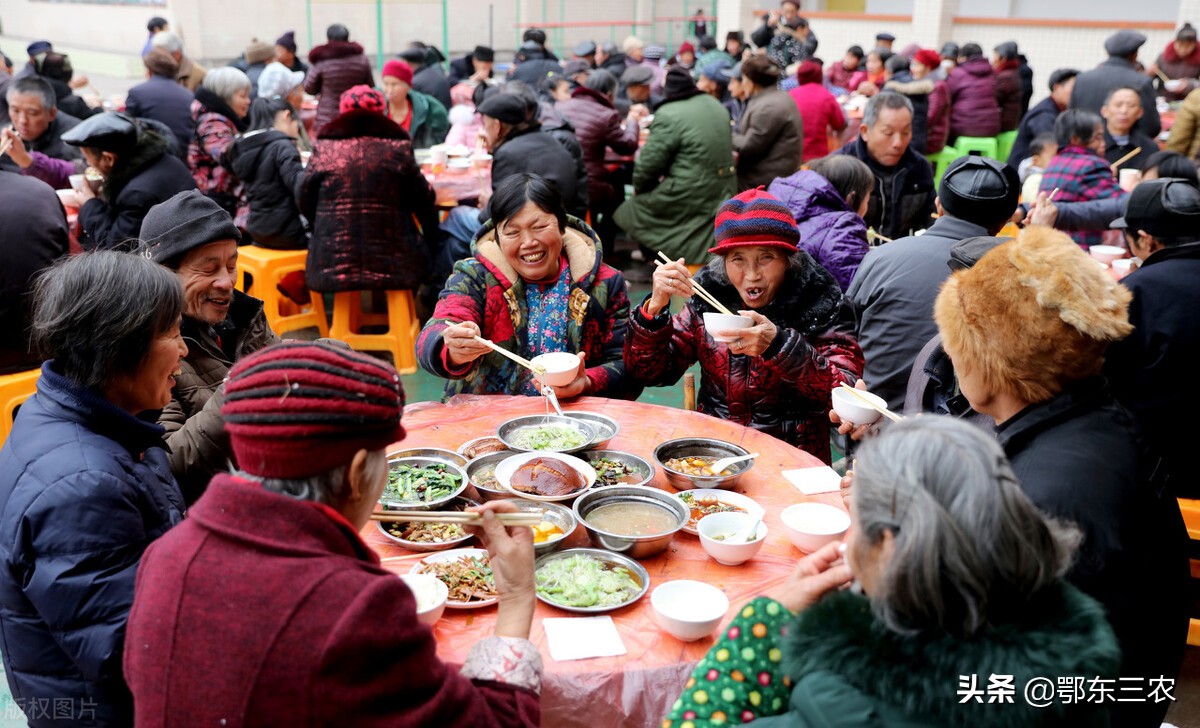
(1080,175)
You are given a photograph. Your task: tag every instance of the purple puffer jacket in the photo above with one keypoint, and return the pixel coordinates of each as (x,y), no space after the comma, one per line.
(973,108)
(833,234)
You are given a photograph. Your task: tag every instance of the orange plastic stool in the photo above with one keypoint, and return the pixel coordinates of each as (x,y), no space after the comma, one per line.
(14,390)
(266,267)
(402,327)
(1191,518)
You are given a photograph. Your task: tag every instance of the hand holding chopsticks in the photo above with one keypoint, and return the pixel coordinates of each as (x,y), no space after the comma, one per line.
(464,345)
(462,518)
(518,359)
(699,290)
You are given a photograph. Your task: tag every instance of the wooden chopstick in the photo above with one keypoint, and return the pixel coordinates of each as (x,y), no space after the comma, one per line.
(1136,151)
(701,292)
(456,517)
(403,558)
(518,359)
(881,410)
(1053,194)
(4,145)
(1162,75)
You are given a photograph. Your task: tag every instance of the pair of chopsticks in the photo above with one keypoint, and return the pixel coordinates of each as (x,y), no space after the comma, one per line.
(699,289)
(1136,151)
(457,517)
(867,402)
(4,145)
(535,368)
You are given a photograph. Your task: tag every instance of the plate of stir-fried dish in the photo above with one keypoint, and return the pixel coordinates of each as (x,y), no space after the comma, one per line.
(467,573)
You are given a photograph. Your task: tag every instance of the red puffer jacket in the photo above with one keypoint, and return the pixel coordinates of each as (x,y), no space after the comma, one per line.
(598,126)
(786,391)
(336,66)
(973,108)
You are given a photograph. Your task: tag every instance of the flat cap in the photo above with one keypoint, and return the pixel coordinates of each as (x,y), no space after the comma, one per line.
(885,36)
(637,76)
(1164,208)
(586,48)
(39,46)
(506,108)
(1124,42)
(109,132)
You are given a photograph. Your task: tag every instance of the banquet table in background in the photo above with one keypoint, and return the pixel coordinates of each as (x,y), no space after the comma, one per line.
(638,688)
(456,186)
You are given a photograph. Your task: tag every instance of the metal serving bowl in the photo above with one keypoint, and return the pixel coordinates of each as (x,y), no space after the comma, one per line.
(637,570)
(395,505)
(606,427)
(637,547)
(641,467)
(436,453)
(458,504)
(493,459)
(560,516)
(701,447)
(506,430)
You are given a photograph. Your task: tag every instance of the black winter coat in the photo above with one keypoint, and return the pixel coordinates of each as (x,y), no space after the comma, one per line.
(68,101)
(431,80)
(1039,120)
(902,201)
(1153,369)
(558,126)
(164,100)
(1079,457)
(33,234)
(268,164)
(534,68)
(365,195)
(84,488)
(1092,87)
(149,176)
(536,152)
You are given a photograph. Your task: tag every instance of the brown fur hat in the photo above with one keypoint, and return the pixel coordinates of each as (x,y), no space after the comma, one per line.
(1032,316)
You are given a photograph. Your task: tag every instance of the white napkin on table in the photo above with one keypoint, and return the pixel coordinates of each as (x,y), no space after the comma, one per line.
(578,638)
(811,481)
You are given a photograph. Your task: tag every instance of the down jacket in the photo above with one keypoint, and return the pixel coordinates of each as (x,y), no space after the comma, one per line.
(487,290)
(973,108)
(598,127)
(84,488)
(336,66)
(786,391)
(192,423)
(365,196)
(830,231)
(268,164)
(1185,133)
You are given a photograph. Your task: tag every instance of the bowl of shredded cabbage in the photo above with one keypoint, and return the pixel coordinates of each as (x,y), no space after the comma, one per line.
(546,433)
(589,580)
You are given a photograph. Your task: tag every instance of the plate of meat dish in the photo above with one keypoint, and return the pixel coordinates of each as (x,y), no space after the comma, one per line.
(467,574)
(545,476)
(703,502)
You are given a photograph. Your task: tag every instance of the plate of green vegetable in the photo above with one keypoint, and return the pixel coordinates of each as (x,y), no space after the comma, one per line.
(589,581)
(420,483)
(546,433)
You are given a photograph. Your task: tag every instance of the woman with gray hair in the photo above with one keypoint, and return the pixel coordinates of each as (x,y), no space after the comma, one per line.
(962,603)
(220,109)
(85,485)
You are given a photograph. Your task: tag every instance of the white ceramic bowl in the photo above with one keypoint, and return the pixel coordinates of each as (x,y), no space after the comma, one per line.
(430,594)
(560,367)
(730,552)
(688,610)
(1122,267)
(720,322)
(851,409)
(810,526)
(1106,253)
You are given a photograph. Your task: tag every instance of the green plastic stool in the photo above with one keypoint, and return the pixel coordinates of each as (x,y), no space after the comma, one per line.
(940,161)
(985,146)
(1005,142)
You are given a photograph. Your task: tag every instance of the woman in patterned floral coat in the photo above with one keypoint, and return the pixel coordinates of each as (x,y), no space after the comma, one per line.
(536,285)
(777,375)
(220,109)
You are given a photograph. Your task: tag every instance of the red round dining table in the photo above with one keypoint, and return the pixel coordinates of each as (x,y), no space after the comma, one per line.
(638,688)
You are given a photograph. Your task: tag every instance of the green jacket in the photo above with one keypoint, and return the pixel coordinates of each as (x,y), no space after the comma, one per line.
(690,149)
(430,121)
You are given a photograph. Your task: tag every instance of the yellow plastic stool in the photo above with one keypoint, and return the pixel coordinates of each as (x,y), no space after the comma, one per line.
(1190,509)
(986,146)
(266,268)
(14,390)
(400,338)
(1004,143)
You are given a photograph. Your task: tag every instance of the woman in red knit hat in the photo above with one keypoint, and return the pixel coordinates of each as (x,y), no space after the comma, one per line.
(777,374)
(421,115)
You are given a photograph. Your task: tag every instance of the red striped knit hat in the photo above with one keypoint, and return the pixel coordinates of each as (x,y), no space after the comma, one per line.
(755,218)
(298,409)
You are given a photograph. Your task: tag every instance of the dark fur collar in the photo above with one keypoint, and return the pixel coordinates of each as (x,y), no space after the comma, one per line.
(334,49)
(216,105)
(809,301)
(361,123)
(150,147)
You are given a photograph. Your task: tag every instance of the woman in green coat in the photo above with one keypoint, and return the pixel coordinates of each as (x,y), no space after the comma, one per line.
(964,607)
(682,175)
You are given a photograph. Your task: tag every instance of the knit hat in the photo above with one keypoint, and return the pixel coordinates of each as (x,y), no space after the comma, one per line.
(678,84)
(362,98)
(398,69)
(504,107)
(686,47)
(927,57)
(979,190)
(259,52)
(287,41)
(299,409)
(654,52)
(809,71)
(278,80)
(755,217)
(185,222)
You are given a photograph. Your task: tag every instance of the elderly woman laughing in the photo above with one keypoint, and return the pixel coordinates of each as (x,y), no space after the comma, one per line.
(776,375)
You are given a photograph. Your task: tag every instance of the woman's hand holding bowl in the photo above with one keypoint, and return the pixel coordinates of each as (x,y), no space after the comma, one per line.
(752,341)
(577,387)
(460,343)
(671,279)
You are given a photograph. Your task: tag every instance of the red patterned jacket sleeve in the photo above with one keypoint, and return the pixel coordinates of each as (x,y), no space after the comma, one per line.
(463,299)
(817,365)
(608,373)
(659,350)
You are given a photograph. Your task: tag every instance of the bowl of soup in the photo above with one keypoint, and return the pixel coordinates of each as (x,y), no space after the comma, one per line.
(634,520)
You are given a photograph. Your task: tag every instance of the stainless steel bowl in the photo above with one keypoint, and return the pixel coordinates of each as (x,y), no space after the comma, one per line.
(396,505)
(560,516)
(642,467)
(458,504)
(637,547)
(637,570)
(701,447)
(493,459)
(606,427)
(435,453)
(506,430)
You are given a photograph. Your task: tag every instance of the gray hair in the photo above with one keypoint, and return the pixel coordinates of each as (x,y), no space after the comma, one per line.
(91,336)
(226,81)
(716,266)
(885,100)
(33,86)
(327,488)
(970,547)
(168,41)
